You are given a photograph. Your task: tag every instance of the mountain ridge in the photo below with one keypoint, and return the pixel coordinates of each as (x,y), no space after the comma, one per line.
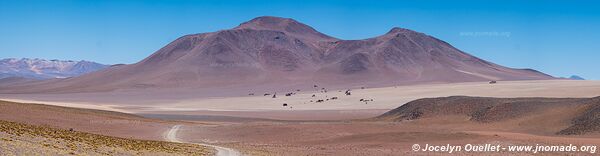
(281,51)
(35,68)
(576,77)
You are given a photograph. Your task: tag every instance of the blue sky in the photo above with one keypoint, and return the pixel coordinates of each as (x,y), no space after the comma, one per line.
(560,38)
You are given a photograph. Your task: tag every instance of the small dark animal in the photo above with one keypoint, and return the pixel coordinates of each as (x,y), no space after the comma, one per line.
(320,100)
(334,98)
(366,101)
(288,94)
(266,94)
(493,82)
(313,95)
(285,105)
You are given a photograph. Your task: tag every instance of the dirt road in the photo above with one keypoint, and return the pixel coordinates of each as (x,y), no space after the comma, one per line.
(171,136)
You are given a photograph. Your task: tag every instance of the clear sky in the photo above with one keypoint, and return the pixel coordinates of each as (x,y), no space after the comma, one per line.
(561,38)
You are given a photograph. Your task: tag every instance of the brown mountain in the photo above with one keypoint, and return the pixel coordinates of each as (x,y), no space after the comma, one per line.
(281,51)
(566,116)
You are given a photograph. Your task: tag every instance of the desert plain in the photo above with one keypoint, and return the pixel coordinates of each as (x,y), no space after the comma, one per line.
(344,125)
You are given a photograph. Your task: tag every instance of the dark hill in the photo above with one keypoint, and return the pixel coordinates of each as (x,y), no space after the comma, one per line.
(583,113)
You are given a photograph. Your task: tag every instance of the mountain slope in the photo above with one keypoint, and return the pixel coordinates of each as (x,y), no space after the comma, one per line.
(566,116)
(273,51)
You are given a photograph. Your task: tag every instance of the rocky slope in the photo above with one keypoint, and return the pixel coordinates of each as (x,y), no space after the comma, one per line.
(568,115)
(273,51)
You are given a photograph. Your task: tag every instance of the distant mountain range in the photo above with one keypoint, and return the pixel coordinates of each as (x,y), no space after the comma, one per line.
(575,77)
(45,69)
(274,51)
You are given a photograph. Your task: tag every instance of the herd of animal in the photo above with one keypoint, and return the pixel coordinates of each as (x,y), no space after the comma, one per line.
(348,92)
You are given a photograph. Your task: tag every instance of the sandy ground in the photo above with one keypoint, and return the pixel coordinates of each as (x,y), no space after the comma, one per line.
(238,122)
(300,105)
(371,138)
(390,97)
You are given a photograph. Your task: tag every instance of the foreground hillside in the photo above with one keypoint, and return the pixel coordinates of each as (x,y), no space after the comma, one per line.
(86,120)
(24,139)
(27,129)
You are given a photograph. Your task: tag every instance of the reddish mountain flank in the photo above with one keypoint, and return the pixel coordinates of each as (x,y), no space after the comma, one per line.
(281,51)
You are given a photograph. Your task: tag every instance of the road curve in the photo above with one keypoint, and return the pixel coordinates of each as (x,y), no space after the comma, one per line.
(221,151)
